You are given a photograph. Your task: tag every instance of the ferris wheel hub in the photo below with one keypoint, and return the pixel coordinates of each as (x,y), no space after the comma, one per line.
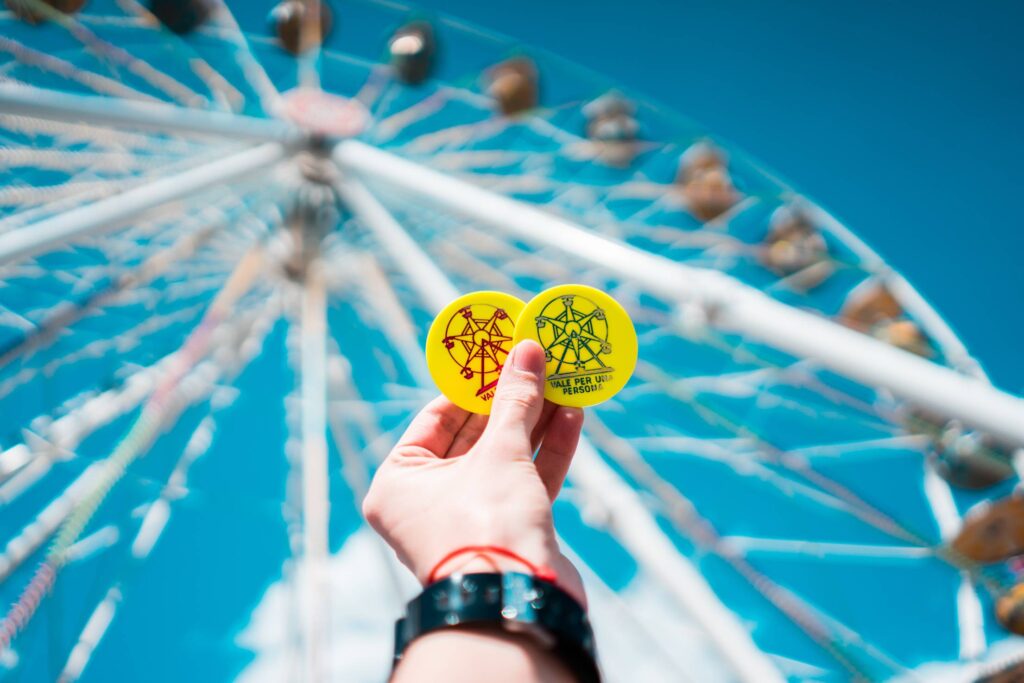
(323,114)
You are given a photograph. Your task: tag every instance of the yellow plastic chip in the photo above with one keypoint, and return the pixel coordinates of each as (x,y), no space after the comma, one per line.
(467,345)
(589,340)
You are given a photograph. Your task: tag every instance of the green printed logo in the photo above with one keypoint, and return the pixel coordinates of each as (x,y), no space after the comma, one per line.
(574,333)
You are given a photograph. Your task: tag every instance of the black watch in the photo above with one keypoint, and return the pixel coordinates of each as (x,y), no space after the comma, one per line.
(512,602)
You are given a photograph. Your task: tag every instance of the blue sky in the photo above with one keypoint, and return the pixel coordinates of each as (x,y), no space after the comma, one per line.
(902,118)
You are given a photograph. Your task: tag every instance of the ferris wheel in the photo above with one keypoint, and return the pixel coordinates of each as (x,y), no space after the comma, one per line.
(225,229)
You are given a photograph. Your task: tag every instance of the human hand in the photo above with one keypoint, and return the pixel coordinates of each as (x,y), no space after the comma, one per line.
(456,479)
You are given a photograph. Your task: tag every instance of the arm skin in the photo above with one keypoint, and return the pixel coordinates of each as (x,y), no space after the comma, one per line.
(456,480)
(475,655)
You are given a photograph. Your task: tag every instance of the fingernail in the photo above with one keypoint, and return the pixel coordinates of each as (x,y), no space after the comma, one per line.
(527,356)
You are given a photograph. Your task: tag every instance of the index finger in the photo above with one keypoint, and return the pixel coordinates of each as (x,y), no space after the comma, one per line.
(434,428)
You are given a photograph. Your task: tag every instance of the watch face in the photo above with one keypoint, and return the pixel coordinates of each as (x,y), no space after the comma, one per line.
(588,339)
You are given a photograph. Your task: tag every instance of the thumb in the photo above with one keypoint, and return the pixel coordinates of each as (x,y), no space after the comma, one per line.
(519,397)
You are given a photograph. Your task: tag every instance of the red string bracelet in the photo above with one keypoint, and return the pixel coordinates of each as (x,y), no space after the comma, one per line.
(539,571)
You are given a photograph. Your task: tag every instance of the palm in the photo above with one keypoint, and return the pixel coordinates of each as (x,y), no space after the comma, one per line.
(456,479)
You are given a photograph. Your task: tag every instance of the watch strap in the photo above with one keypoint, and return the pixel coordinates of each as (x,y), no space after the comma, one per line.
(513,602)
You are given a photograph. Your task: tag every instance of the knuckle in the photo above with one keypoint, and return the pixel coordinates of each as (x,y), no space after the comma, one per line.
(372,509)
(448,423)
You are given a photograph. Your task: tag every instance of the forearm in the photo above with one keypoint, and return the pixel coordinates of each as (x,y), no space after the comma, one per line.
(472,655)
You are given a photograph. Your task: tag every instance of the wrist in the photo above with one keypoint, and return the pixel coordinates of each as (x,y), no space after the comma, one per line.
(494,559)
(544,563)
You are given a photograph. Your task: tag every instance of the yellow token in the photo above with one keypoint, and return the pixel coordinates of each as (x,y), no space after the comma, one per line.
(589,340)
(467,345)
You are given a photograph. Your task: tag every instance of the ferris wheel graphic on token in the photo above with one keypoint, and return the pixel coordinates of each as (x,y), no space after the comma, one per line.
(589,343)
(467,346)
(574,333)
(478,338)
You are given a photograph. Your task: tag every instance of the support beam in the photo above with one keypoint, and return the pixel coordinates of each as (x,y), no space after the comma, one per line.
(437,289)
(730,304)
(629,519)
(314,580)
(113,212)
(115,112)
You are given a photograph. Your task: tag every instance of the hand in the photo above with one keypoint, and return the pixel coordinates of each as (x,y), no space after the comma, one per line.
(456,479)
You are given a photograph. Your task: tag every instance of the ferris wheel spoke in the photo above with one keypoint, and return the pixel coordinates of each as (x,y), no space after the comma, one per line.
(342,387)
(637,616)
(96,82)
(461,134)
(181,285)
(41,195)
(731,453)
(309,62)
(861,508)
(226,95)
(47,521)
(164,118)
(465,160)
(132,337)
(223,93)
(69,314)
(252,69)
(99,161)
(596,212)
(373,87)
(313,579)
(52,133)
(25,465)
(162,406)
(108,52)
(396,240)
(384,129)
(159,510)
(684,516)
(92,633)
(385,309)
(523,184)
(108,214)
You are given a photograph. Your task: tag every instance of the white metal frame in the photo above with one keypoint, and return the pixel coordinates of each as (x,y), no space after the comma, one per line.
(111,213)
(41,103)
(314,587)
(729,304)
